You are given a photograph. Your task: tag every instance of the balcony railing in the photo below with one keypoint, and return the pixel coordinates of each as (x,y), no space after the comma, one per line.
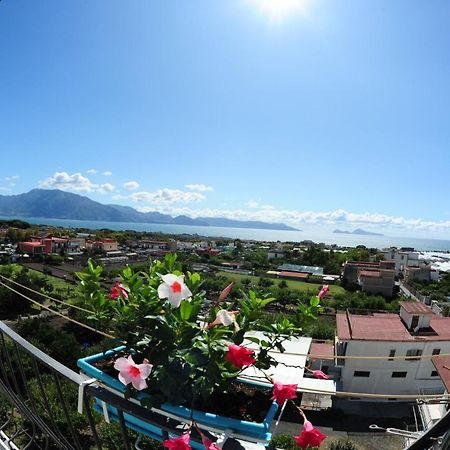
(39,398)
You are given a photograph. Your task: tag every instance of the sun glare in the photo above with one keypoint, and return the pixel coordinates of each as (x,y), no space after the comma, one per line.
(279,10)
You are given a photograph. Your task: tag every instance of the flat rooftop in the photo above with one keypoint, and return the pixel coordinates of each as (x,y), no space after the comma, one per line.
(388,327)
(417,308)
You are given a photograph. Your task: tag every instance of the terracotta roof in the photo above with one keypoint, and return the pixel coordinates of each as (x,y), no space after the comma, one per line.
(387,327)
(441,325)
(378,328)
(369,273)
(342,327)
(417,308)
(442,364)
(293,275)
(32,244)
(319,349)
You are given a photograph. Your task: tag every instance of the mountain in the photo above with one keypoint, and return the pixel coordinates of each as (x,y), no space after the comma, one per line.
(56,204)
(358,231)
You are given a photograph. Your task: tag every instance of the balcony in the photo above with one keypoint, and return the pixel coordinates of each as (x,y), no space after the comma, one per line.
(41,397)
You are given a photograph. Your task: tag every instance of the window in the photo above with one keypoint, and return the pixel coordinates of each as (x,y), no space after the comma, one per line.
(414,352)
(436,351)
(391,355)
(361,373)
(434,373)
(399,374)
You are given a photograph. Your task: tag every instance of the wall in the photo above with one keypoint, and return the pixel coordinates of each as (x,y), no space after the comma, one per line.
(380,380)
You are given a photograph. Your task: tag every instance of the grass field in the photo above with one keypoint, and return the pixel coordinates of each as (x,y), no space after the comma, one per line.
(292,284)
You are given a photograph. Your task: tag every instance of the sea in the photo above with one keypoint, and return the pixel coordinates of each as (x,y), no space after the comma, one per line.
(327,237)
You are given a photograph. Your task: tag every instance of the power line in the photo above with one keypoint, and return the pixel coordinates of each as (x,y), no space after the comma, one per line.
(312,356)
(346,394)
(58,313)
(48,296)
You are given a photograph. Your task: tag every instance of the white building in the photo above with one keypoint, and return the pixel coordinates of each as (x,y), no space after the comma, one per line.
(416,331)
(403,257)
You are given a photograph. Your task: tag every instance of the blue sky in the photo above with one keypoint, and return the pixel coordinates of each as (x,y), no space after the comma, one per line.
(316,113)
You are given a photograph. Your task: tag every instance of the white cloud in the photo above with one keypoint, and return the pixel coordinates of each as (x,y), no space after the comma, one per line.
(74,182)
(107,173)
(5,189)
(166,196)
(91,171)
(252,204)
(131,185)
(199,187)
(12,178)
(340,217)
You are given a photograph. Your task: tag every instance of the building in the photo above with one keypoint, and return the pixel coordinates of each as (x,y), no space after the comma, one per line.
(107,245)
(421,272)
(372,277)
(402,257)
(44,246)
(310,270)
(298,276)
(416,332)
(32,248)
(378,282)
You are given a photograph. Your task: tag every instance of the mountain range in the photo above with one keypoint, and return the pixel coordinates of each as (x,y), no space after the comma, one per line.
(57,204)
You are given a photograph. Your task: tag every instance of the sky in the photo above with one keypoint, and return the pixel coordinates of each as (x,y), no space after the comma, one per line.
(315,113)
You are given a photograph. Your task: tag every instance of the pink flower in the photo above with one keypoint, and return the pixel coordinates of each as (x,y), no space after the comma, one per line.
(239,356)
(117,291)
(174,289)
(179,443)
(323,292)
(224,317)
(319,374)
(225,293)
(309,437)
(130,372)
(208,444)
(283,392)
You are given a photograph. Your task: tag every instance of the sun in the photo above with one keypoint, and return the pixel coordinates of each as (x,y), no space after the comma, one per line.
(279,10)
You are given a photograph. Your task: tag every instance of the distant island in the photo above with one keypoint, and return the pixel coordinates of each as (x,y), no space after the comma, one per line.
(358,231)
(57,204)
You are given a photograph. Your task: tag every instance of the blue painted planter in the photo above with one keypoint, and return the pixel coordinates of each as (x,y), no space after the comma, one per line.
(251,430)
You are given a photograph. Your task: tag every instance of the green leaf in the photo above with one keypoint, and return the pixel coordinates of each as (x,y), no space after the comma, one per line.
(186,310)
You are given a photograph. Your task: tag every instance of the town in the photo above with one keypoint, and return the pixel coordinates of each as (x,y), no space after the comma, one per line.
(390,306)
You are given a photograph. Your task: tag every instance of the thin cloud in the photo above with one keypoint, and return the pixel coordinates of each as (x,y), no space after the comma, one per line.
(12,178)
(91,171)
(107,173)
(199,187)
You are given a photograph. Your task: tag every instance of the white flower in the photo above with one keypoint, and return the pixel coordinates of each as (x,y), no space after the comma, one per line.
(174,289)
(225,318)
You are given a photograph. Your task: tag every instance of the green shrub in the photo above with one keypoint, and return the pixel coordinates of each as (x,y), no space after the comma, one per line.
(284,441)
(342,444)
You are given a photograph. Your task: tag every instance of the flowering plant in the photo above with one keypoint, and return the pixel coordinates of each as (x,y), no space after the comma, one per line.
(179,346)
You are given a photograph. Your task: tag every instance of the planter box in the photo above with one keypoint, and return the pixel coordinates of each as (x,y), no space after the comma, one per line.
(252,431)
